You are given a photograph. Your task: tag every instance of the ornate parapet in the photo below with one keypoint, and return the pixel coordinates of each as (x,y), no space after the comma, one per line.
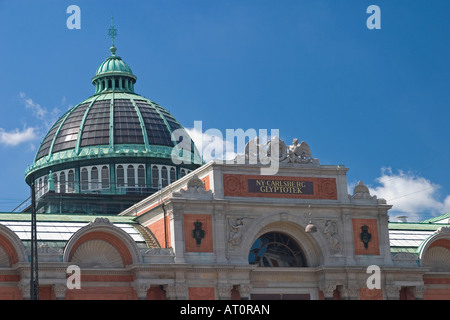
(362,194)
(195,189)
(275,150)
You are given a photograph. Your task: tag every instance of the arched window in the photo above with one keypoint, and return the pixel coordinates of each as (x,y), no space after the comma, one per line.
(141,176)
(55,182)
(120,176)
(105,177)
(84,179)
(71,181)
(130,176)
(275,249)
(62,182)
(172,175)
(40,188)
(94,178)
(182,173)
(155,177)
(164,177)
(45,184)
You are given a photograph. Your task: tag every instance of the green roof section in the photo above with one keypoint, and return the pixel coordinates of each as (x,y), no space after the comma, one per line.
(53,217)
(438,218)
(416,226)
(404,249)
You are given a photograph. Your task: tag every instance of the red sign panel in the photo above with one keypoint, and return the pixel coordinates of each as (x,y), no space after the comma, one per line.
(237,185)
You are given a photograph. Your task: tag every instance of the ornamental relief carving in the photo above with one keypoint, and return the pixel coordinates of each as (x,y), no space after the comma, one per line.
(236,228)
(329,228)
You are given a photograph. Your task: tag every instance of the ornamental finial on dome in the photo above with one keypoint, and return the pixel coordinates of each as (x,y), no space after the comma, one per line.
(113,75)
(112,32)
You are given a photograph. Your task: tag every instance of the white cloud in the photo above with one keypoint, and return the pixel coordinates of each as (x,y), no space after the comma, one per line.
(410,195)
(211,144)
(15,137)
(46,117)
(38,111)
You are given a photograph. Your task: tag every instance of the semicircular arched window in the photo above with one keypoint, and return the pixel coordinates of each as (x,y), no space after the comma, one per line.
(275,249)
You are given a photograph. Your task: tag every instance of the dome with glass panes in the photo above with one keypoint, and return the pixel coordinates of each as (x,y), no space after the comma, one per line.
(114,142)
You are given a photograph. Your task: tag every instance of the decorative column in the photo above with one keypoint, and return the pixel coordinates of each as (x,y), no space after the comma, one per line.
(24,286)
(224,290)
(176,291)
(177,221)
(244,291)
(327,289)
(60,291)
(141,287)
(392,292)
(418,292)
(220,235)
(347,231)
(350,292)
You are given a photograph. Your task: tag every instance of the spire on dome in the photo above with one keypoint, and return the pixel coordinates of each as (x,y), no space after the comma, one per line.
(113,74)
(112,32)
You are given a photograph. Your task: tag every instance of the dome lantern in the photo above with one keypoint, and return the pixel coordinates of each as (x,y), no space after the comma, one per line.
(113,75)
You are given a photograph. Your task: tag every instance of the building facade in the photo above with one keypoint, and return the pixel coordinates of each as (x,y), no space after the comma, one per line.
(118,219)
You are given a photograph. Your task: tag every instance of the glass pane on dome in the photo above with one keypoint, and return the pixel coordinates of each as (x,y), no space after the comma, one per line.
(157,131)
(68,134)
(127,127)
(96,126)
(45,145)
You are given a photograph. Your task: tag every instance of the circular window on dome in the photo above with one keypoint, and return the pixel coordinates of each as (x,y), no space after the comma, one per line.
(275,249)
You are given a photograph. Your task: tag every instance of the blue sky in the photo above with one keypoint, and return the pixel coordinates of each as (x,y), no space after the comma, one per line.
(376,101)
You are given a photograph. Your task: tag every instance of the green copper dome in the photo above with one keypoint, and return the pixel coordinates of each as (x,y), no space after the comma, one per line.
(113,64)
(111,150)
(114,75)
(114,122)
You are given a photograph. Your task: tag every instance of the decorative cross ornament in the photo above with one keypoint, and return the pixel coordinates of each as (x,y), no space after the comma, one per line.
(112,32)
